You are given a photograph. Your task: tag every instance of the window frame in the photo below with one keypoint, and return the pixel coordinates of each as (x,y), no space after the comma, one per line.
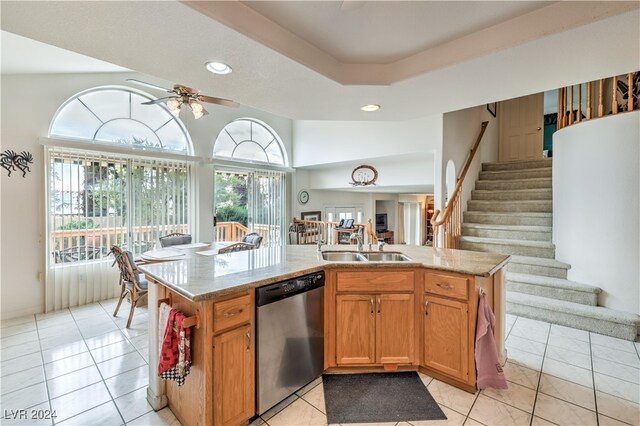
(261,164)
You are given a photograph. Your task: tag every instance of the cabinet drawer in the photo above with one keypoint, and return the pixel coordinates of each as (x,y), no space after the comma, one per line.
(376,282)
(446,285)
(231,313)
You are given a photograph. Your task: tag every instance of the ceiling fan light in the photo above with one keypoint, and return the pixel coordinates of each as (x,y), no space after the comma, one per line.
(173,105)
(196,107)
(218,67)
(198,114)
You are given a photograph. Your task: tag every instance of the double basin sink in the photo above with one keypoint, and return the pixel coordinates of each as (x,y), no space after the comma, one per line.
(372,256)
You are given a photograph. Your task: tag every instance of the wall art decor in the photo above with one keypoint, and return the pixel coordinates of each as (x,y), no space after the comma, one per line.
(364,175)
(10,161)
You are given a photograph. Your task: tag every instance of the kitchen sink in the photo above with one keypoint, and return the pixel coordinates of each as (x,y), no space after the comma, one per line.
(386,257)
(343,256)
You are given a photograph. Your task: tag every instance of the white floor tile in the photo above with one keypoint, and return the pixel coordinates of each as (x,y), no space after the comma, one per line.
(141,341)
(22,363)
(59,321)
(105,353)
(309,386)
(80,401)
(521,375)
(163,417)
(612,343)
(562,412)
(134,404)
(18,339)
(299,413)
(73,381)
(102,415)
(568,391)
(279,407)
(526,345)
(516,395)
(64,351)
(537,334)
(19,350)
(24,398)
(569,356)
(533,324)
(570,343)
(538,421)
(616,387)
(425,379)
(608,421)
(129,381)
(12,322)
(618,408)
(451,397)
(104,339)
(54,314)
(315,397)
(621,357)
(53,341)
(562,331)
(21,380)
(525,359)
(620,371)
(17,329)
(453,419)
(568,372)
(68,365)
(120,364)
(491,412)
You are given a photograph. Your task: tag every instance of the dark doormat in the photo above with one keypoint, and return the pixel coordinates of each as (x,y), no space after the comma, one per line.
(378,397)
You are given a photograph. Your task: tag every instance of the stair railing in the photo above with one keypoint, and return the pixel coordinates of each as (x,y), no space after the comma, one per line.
(450,224)
(624,93)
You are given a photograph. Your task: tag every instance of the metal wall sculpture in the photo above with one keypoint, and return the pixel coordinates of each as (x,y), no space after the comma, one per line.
(10,161)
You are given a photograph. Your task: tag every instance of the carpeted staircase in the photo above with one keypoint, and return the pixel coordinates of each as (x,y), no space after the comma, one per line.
(510,212)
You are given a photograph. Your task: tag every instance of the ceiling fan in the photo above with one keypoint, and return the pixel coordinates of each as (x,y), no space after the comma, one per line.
(183,95)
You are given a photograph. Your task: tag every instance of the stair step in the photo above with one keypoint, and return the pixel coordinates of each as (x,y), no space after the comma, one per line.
(512,247)
(597,319)
(493,185)
(517,174)
(534,219)
(517,165)
(507,232)
(512,195)
(538,266)
(520,206)
(553,288)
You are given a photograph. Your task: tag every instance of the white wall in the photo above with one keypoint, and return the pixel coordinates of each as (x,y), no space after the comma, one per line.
(29,102)
(328,142)
(596,175)
(459,131)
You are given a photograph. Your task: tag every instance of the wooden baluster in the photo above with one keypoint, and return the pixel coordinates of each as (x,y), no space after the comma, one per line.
(614,102)
(579,117)
(601,99)
(571,106)
(630,92)
(564,107)
(589,84)
(559,116)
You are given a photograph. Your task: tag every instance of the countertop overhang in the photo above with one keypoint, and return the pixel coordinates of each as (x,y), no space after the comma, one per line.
(199,277)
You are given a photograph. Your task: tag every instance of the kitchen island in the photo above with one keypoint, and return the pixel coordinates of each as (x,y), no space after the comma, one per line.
(417,314)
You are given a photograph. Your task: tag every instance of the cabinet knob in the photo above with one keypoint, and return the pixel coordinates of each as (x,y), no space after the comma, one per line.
(445,286)
(371,301)
(426,305)
(232,313)
(379,305)
(248,340)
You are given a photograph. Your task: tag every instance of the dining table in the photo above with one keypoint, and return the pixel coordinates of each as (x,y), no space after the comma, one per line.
(183,251)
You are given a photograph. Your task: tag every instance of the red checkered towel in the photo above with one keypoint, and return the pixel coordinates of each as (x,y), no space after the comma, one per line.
(175,355)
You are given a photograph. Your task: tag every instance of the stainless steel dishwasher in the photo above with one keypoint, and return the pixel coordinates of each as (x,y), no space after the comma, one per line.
(290,337)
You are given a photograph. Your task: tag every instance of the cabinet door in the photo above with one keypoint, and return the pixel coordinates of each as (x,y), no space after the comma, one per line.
(446,336)
(355,329)
(394,327)
(233,379)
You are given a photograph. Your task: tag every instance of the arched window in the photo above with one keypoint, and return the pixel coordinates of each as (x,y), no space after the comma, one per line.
(116,115)
(247,139)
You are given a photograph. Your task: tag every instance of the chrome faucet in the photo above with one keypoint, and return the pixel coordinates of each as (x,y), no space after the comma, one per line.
(357,236)
(320,243)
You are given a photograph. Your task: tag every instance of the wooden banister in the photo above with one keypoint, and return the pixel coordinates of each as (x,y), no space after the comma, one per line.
(452,215)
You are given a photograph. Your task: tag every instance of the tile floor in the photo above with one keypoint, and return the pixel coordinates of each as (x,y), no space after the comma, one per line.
(86,366)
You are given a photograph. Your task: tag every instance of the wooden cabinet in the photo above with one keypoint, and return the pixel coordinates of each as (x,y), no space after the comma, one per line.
(233,376)
(446,336)
(374,317)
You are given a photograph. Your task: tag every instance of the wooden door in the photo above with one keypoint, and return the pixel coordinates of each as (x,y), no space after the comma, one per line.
(521,122)
(233,377)
(395,328)
(355,329)
(446,336)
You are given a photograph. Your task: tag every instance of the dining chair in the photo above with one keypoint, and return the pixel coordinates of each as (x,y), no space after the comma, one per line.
(175,239)
(236,247)
(253,238)
(132,282)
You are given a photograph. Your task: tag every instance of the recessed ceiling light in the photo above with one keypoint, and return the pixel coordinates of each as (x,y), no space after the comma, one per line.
(370,107)
(218,67)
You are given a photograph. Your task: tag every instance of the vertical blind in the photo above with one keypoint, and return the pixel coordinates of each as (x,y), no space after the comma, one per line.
(266,205)
(96,200)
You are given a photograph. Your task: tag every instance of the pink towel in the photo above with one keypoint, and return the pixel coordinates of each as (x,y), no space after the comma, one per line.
(490,374)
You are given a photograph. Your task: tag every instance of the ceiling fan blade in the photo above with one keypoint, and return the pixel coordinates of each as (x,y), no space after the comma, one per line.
(159,100)
(218,101)
(152,86)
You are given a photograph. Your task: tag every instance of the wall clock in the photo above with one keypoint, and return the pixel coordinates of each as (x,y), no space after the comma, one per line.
(303,197)
(364,175)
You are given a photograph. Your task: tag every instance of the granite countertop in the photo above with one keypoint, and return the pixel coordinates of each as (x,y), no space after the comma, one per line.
(199,277)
